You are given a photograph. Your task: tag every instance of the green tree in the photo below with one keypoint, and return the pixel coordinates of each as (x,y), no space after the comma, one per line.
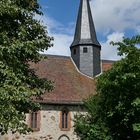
(114,113)
(22,37)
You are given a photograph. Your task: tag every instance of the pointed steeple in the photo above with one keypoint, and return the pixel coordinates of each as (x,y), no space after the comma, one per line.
(85,30)
(85,48)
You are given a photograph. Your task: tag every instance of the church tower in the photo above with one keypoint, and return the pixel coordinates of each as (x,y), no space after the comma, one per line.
(85,49)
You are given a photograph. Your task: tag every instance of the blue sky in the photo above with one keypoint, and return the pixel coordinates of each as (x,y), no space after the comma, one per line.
(61,10)
(112,19)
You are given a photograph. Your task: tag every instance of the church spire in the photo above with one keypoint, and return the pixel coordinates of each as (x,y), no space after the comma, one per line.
(85,30)
(85,48)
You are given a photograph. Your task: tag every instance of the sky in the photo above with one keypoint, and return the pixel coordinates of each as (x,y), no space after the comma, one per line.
(113,19)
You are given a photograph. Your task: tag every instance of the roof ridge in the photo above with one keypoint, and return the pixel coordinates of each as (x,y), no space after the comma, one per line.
(51,55)
(64,56)
(111,61)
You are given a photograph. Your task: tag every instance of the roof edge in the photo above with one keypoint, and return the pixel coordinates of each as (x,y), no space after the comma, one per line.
(52,55)
(90,44)
(60,102)
(64,56)
(80,71)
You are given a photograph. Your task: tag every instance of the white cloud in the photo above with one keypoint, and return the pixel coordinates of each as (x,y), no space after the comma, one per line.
(112,18)
(62,35)
(61,45)
(54,26)
(108,51)
(62,41)
(115,15)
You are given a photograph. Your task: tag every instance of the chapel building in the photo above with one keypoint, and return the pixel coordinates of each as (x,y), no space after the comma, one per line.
(74,81)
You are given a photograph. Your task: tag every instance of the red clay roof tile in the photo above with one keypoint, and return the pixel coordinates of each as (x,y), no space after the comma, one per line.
(70,85)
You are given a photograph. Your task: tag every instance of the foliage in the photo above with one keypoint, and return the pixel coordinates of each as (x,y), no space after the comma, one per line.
(114,113)
(22,37)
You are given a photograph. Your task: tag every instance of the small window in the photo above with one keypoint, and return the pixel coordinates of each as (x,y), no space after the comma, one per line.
(35,120)
(65,120)
(85,50)
(74,51)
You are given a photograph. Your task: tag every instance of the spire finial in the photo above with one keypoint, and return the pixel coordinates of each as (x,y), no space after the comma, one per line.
(85,30)
(85,49)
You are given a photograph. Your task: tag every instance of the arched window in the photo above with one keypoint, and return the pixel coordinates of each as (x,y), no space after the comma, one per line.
(63,137)
(65,120)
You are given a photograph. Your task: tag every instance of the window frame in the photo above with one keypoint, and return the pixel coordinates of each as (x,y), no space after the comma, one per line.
(34,117)
(65,120)
(85,50)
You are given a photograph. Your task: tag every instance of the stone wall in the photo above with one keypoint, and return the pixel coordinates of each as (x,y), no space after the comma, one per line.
(49,125)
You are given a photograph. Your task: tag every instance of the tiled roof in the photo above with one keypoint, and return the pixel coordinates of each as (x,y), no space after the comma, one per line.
(71,87)
(106,64)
